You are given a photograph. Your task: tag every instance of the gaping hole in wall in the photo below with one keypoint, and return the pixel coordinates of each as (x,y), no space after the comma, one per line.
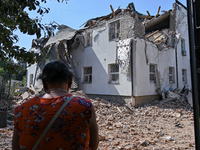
(162,22)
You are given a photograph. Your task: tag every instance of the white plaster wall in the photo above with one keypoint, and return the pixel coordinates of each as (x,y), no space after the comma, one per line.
(99,56)
(31,70)
(183,61)
(163,59)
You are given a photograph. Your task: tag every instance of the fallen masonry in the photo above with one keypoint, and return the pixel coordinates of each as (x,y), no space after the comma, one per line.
(160,125)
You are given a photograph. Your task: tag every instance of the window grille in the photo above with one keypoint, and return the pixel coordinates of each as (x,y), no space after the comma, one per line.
(114,30)
(152,70)
(87,75)
(171,75)
(184,76)
(114,73)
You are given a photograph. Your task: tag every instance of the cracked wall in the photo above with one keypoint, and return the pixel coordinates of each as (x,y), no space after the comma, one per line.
(131,28)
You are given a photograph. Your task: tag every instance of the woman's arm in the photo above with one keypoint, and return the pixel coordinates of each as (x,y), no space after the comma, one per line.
(15,140)
(94,134)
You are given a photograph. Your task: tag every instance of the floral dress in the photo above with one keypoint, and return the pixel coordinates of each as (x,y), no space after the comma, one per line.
(70,131)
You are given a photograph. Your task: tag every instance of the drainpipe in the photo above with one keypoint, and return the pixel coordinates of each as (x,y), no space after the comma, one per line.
(131,53)
(176,67)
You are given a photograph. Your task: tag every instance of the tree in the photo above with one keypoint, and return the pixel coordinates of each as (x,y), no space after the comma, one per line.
(14,16)
(1,70)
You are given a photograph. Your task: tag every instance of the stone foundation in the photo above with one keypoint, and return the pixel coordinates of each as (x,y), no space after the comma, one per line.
(138,100)
(141,100)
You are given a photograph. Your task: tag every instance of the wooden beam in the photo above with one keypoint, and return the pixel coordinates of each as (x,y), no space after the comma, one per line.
(90,24)
(148,13)
(112,11)
(94,23)
(152,34)
(157,37)
(148,17)
(158,11)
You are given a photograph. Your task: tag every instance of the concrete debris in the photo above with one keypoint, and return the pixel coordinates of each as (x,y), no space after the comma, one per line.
(183,97)
(124,127)
(162,38)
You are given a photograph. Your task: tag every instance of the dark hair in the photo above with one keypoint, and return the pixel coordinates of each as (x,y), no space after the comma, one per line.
(55,72)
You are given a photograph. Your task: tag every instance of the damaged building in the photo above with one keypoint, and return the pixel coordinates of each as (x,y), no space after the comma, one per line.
(123,54)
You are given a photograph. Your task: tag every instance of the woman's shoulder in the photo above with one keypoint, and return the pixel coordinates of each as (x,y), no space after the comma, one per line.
(82,101)
(26,103)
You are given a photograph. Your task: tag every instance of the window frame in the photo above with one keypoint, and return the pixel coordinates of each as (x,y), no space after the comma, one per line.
(113,73)
(183,49)
(116,31)
(86,74)
(152,73)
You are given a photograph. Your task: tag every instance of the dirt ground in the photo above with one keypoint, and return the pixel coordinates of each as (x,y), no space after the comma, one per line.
(159,126)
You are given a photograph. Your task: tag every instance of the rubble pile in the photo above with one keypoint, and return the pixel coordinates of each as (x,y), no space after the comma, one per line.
(159,125)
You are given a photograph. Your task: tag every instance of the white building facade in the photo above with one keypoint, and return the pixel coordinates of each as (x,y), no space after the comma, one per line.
(124,56)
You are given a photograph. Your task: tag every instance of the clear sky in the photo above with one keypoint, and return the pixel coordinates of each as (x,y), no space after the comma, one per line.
(77,12)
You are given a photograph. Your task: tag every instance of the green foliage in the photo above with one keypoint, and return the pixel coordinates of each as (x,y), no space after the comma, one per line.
(14,16)
(2,70)
(24,81)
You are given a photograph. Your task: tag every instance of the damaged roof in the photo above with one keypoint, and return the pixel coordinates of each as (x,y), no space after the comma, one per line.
(64,33)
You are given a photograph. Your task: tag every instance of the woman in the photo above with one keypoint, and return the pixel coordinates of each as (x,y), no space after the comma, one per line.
(75,127)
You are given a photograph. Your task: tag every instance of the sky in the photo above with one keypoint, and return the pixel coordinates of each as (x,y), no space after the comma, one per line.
(77,12)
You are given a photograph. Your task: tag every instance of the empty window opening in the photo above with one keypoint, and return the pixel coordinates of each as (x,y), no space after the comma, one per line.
(114,73)
(152,70)
(114,30)
(87,76)
(171,75)
(184,76)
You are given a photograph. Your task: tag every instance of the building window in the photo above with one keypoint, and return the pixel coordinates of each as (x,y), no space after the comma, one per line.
(171,75)
(88,39)
(31,80)
(183,50)
(113,73)
(87,75)
(114,30)
(152,70)
(184,76)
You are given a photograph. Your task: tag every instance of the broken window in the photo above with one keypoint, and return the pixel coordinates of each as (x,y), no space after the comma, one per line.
(31,80)
(113,73)
(184,76)
(114,30)
(171,75)
(88,39)
(183,50)
(152,70)
(87,75)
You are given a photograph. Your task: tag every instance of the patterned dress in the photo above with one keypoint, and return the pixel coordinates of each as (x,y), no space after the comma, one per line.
(70,131)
